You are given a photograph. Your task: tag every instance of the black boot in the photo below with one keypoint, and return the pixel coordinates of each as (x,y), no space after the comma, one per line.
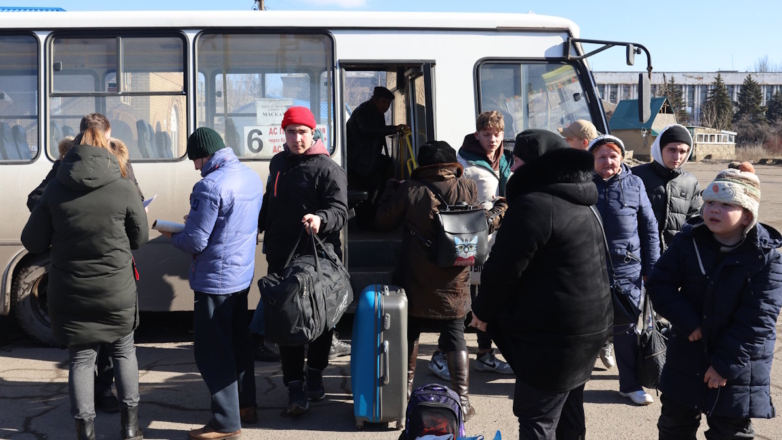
(129,420)
(412,357)
(315,389)
(85,429)
(459,365)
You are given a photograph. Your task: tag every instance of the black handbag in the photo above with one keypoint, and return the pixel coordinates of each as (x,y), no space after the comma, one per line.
(625,311)
(652,346)
(461,234)
(309,296)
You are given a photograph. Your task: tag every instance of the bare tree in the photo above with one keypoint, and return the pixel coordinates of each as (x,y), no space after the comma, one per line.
(763,65)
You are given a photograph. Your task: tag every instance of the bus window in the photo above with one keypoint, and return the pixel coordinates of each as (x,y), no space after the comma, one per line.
(545,96)
(247,81)
(137,91)
(18,98)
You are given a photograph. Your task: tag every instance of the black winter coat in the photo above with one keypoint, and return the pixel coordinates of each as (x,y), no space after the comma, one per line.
(36,194)
(736,305)
(367,131)
(675,197)
(298,185)
(92,218)
(544,289)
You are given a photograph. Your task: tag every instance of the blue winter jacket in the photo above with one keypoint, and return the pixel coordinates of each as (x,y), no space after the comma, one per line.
(736,305)
(222,226)
(631,229)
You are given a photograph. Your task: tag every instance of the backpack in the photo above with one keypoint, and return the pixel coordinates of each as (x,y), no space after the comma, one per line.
(309,296)
(461,234)
(434,409)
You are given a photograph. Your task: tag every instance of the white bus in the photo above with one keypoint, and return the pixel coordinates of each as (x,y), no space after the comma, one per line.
(158,76)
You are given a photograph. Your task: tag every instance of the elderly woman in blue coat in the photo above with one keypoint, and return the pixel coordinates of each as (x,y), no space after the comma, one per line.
(633,244)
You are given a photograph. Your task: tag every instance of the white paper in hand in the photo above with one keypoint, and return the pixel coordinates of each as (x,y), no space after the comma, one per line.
(148,201)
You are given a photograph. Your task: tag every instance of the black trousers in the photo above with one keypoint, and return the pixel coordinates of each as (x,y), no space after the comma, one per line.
(484,340)
(223,355)
(292,358)
(374,185)
(104,370)
(451,332)
(547,415)
(678,422)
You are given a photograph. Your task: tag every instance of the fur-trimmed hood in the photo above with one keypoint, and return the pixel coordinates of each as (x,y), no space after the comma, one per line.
(565,172)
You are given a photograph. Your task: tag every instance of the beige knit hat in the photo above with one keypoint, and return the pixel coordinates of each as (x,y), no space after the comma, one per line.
(738,187)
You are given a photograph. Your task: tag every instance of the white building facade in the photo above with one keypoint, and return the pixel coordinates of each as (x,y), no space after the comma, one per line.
(617,86)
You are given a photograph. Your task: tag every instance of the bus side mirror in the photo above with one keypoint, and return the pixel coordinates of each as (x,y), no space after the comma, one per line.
(644,98)
(630,55)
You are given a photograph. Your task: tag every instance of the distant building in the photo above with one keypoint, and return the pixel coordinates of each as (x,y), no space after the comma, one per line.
(636,136)
(712,144)
(618,86)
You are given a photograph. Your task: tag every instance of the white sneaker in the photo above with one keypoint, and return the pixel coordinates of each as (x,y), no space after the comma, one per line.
(489,362)
(607,355)
(439,366)
(640,397)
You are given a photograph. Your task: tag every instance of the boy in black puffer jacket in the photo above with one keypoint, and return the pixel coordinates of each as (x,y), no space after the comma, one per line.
(674,193)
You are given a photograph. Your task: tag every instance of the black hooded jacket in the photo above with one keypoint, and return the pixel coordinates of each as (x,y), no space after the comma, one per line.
(544,289)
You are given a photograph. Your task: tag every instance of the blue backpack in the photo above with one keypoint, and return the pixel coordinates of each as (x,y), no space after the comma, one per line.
(434,409)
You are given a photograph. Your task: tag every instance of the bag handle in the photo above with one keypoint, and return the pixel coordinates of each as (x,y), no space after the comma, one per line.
(605,241)
(314,250)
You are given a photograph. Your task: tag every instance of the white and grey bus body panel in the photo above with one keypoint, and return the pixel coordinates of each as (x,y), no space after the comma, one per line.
(453,42)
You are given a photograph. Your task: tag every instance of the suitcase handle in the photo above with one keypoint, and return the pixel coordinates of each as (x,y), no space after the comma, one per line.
(386,373)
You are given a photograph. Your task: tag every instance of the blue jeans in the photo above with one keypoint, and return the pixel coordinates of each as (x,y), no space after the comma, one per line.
(223,355)
(81,377)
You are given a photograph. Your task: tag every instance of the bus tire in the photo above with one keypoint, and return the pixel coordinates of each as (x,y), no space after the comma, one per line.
(29,299)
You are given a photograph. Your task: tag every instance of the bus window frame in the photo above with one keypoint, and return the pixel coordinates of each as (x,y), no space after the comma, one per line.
(581,71)
(39,75)
(314,76)
(114,33)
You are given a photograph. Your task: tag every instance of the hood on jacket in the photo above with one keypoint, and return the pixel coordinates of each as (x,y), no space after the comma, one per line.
(657,153)
(221,157)
(87,168)
(565,165)
(318,147)
(438,171)
(473,150)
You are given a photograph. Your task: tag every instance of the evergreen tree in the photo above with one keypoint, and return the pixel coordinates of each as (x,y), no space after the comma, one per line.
(774,113)
(675,97)
(718,109)
(750,98)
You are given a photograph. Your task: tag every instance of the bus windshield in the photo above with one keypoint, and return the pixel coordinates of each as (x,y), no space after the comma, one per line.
(532,95)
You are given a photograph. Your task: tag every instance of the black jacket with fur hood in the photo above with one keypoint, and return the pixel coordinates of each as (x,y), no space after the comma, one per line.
(544,288)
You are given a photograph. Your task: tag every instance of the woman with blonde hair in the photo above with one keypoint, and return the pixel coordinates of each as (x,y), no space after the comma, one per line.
(90,219)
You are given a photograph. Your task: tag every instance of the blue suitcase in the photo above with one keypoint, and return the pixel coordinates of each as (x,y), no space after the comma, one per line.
(378,357)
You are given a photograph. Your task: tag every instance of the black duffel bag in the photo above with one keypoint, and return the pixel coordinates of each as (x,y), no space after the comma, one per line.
(652,346)
(309,296)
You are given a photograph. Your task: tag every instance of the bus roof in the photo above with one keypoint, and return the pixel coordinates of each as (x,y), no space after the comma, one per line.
(288,19)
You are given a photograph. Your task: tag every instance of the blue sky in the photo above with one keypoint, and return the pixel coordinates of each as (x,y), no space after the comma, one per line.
(683,35)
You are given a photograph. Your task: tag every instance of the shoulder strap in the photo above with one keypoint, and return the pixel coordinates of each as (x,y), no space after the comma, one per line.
(605,240)
(436,193)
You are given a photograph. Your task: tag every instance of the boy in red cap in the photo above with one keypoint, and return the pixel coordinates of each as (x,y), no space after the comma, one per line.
(305,187)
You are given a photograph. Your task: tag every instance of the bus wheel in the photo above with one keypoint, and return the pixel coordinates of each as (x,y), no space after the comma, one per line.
(29,299)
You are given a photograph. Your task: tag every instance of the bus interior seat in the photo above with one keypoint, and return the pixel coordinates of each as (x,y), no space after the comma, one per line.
(120,130)
(68,131)
(146,140)
(20,137)
(163,144)
(54,136)
(5,142)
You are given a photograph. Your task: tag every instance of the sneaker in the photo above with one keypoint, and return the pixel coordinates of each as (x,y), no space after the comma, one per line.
(639,397)
(107,402)
(297,399)
(607,355)
(338,348)
(315,389)
(262,353)
(207,433)
(489,362)
(249,415)
(439,366)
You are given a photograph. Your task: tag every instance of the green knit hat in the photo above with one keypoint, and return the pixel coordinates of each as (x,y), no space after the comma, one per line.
(204,142)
